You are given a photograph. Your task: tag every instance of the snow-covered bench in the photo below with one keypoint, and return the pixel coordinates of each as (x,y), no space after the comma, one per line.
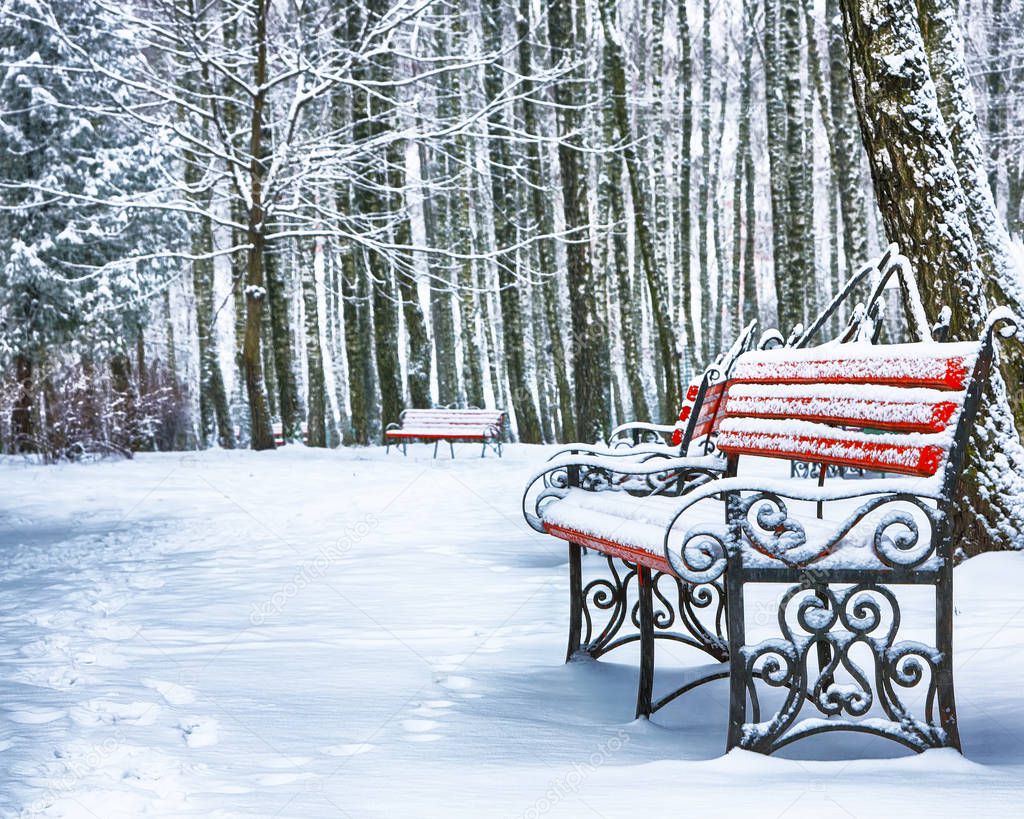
(448,424)
(844,554)
(700,411)
(278,430)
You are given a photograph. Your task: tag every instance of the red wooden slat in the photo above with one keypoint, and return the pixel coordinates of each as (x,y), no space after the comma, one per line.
(441,436)
(909,459)
(609,547)
(843,412)
(946,373)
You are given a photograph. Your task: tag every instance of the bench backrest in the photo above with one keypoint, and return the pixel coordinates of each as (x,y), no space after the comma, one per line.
(446,418)
(701,411)
(889,408)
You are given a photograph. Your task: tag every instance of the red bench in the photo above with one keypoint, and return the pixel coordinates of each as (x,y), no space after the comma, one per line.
(840,553)
(700,408)
(448,424)
(278,430)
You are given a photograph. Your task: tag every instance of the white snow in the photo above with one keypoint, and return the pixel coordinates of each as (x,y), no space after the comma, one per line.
(408,662)
(924,364)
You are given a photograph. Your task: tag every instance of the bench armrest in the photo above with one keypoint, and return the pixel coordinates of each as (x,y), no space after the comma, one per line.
(656,434)
(652,473)
(700,553)
(601,451)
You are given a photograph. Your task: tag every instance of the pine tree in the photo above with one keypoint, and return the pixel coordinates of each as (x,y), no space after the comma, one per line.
(67,282)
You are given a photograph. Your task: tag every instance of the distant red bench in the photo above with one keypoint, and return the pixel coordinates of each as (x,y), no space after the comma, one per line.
(484,426)
(278,430)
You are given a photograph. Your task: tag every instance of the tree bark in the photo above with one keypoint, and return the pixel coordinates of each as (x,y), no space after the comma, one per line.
(925,208)
(22,415)
(261,432)
(685,180)
(776,121)
(671,393)
(503,199)
(316,387)
(544,224)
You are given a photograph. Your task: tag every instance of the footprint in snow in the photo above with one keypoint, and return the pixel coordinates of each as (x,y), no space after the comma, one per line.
(172,693)
(36,716)
(283,778)
(60,679)
(420,726)
(107,712)
(353,749)
(107,630)
(199,732)
(453,682)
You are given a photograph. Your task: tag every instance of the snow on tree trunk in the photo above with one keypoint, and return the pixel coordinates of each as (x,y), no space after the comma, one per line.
(925,209)
(657,287)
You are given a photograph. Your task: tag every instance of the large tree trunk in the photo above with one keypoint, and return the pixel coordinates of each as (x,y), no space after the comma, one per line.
(22,426)
(362,384)
(385,324)
(704,205)
(671,393)
(845,144)
(926,210)
(418,377)
(744,308)
(442,320)
(1004,283)
(215,415)
(544,224)
(685,312)
(280,339)
(792,278)
(316,388)
(590,350)
(503,197)
(260,429)
(775,115)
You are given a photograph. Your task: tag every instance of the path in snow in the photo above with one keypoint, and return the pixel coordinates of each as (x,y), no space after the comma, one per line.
(305,634)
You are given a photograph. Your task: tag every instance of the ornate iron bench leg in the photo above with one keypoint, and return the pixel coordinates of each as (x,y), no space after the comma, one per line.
(436,442)
(739,680)
(451,447)
(874,681)
(944,642)
(645,688)
(575,600)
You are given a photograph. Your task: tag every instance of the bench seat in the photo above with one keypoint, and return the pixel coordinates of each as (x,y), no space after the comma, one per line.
(448,424)
(443,433)
(633,529)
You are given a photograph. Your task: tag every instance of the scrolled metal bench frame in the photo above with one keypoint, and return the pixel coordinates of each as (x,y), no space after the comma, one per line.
(602,610)
(813,614)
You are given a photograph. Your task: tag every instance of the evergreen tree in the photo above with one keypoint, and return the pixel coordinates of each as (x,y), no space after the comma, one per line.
(68,282)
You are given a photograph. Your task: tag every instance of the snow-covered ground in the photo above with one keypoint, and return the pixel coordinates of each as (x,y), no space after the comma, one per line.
(306,634)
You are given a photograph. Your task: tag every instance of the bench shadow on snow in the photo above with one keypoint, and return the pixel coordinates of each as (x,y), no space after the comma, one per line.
(585,702)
